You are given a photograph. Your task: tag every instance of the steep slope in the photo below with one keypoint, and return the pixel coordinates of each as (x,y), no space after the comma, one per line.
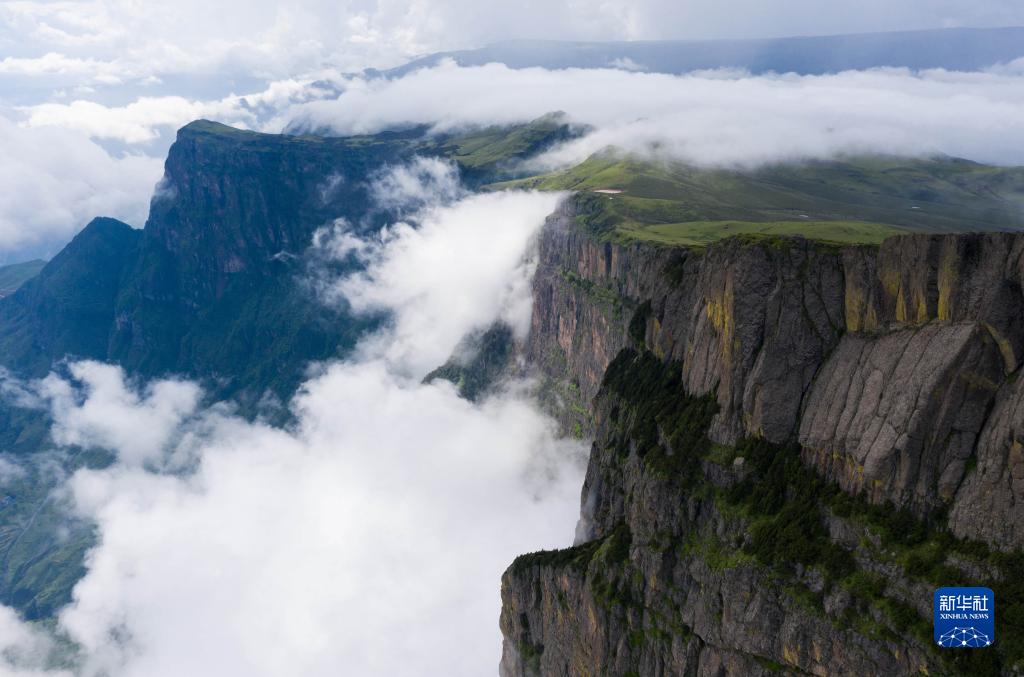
(795,443)
(68,308)
(215,288)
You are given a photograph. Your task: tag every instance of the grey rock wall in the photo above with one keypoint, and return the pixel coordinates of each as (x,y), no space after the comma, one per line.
(883,362)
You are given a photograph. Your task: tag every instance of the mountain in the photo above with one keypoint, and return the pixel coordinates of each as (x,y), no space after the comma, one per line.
(965,49)
(795,444)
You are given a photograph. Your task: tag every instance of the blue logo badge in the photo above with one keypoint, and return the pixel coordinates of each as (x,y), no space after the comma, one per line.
(965,618)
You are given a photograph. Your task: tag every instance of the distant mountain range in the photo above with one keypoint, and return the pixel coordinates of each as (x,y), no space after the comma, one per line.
(964,49)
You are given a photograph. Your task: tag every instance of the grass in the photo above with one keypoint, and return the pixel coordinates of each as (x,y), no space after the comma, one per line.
(701,233)
(853,200)
(503,145)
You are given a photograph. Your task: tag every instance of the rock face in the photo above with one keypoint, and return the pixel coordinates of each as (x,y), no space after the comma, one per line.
(883,362)
(752,323)
(990,503)
(890,373)
(897,416)
(217,285)
(211,286)
(215,282)
(662,585)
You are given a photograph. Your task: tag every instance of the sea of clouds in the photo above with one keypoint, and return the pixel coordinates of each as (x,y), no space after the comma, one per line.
(370,535)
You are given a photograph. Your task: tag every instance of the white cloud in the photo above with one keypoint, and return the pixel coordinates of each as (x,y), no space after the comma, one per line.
(25,651)
(710,118)
(122,76)
(114,38)
(55,180)
(10,471)
(368,538)
(61,179)
(113,416)
(462,268)
(53,63)
(422,181)
(146,118)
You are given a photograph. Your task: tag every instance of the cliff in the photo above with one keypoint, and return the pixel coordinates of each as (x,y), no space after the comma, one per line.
(874,388)
(216,287)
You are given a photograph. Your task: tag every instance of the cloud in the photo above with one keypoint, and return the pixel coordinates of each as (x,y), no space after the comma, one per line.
(460,269)
(25,651)
(53,63)
(106,413)
(109,38)
(56,180)
(366,538)
(127,79)
(416,184)
(147,118)
(708,118)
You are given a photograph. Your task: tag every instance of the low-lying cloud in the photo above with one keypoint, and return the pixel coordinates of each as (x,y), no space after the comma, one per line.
(367,538)
(145,418)
(712,118)
(464,262)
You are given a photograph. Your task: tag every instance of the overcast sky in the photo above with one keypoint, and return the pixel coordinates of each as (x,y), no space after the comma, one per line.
(114,50)
(105,41)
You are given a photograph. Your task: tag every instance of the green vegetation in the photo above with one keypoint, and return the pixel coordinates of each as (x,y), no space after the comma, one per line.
(578,557)
(638,325)
(655,417)
(852,200)
(718,555)
(38,571)
(701,233)
(785,499)
(782,495)
(563,395)
(603,297)
(501,148)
